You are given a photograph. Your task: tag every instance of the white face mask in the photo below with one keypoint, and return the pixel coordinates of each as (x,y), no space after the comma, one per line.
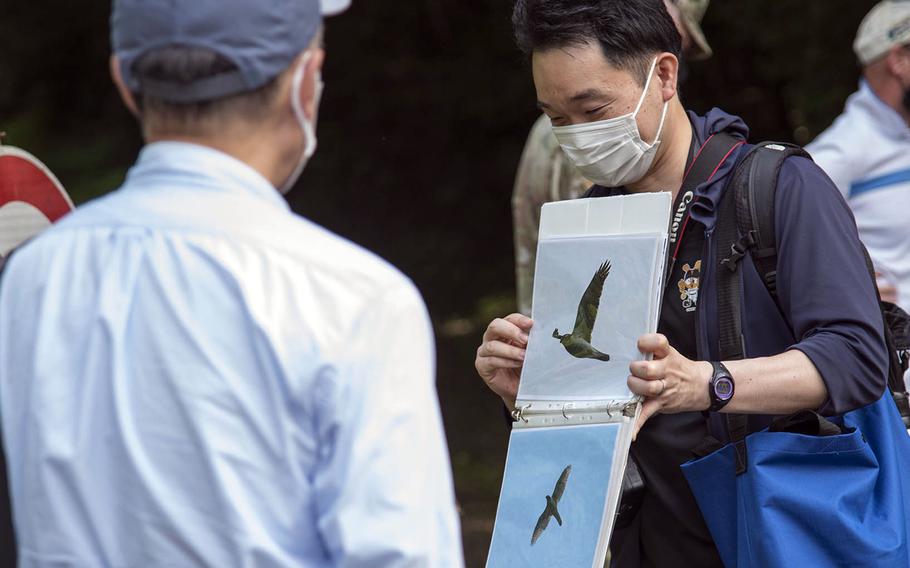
(308,126)
(611,152)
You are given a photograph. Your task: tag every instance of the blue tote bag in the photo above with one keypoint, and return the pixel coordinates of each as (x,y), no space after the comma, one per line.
(841,500)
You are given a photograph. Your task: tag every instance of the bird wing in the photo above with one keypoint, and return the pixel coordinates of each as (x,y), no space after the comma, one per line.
(590,302)
(561,484)
(542,523)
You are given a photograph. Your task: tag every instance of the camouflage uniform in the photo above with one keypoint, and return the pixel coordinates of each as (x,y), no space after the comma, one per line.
(545,174)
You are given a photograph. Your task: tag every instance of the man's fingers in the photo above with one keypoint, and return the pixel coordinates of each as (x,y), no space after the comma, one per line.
(522,321)
(654,343)
(487,366)
(502,329)
(649,370)
(646,388)
(501,350)
(648,409)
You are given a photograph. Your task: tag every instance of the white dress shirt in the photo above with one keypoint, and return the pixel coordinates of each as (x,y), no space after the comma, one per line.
(192,375)
(866,152)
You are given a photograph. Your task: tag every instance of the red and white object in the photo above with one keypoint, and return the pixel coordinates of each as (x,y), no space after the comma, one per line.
(31,198)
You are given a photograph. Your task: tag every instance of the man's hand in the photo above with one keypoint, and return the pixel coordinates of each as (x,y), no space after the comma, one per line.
(502,354)
(670,382)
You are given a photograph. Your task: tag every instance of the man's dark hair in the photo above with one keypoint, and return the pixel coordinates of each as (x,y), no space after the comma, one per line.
(630,32)
(184,64)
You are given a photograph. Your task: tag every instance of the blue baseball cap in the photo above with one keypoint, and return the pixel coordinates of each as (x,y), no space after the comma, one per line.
(260,37)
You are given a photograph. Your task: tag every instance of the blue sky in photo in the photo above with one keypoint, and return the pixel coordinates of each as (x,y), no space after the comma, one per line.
(536,458)
(564,270)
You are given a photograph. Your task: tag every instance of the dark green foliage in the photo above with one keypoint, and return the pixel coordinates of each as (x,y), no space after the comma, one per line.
(426,110)
(425,114)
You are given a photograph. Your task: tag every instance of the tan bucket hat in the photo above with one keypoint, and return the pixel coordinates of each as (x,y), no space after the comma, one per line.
(692,12)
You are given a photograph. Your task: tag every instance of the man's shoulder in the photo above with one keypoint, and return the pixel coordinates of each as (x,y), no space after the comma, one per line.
(285,242)
(313,247)
(852,136)
(804,194)
(802,178)
(799,189)
(41,247)
(305,250)
(849,132)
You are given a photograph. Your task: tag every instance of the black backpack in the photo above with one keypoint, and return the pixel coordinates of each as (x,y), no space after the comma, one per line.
(746,226)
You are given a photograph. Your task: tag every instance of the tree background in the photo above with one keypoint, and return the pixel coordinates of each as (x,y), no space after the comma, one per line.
(424,117)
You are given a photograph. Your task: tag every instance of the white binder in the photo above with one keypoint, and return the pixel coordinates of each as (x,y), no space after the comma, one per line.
(574,413)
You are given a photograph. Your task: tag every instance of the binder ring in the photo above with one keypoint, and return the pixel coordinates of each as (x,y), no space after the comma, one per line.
(518,413)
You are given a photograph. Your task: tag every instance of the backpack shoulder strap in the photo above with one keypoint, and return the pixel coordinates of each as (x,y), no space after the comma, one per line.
(745,224)
(729,300)
(755,188)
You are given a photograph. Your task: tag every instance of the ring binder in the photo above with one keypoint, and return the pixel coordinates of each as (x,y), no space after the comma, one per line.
(600,264)
(556,413)
(518,413)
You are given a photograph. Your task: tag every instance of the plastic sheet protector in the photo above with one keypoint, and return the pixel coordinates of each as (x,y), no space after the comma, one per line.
(597,289)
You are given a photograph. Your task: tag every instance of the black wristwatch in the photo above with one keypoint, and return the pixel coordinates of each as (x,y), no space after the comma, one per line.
(720,387)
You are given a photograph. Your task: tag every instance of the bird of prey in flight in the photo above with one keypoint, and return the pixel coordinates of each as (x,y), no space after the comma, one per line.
(578,343)
(550,510)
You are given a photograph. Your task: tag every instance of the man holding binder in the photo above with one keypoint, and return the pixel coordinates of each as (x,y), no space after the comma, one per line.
(193,375)
(606,74)
(545,174)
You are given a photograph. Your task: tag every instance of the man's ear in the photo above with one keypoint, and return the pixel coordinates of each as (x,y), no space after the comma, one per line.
(308,95)
(125,95)
(898,62)
(668,73)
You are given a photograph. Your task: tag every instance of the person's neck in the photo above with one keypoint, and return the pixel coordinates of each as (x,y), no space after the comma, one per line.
(669,166)
(889,91)
(253,149)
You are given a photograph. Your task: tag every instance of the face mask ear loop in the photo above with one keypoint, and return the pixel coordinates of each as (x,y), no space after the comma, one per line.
(296,83)
(644,93)
(309,130)
(660,127)
(305,124)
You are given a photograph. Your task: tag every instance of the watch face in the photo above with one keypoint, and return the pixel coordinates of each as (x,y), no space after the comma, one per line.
(723,388)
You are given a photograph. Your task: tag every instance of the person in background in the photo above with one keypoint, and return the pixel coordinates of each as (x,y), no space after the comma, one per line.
(866,151)
(545,174)
(605,72)
(193,375)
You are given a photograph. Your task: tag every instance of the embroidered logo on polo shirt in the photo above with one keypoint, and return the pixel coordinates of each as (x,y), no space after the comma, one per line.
(688,286)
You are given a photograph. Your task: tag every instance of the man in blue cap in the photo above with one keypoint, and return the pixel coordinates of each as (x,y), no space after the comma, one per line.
(191,374)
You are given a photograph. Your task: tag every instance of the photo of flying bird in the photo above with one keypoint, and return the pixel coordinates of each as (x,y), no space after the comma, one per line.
(552,501)
(578,343)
